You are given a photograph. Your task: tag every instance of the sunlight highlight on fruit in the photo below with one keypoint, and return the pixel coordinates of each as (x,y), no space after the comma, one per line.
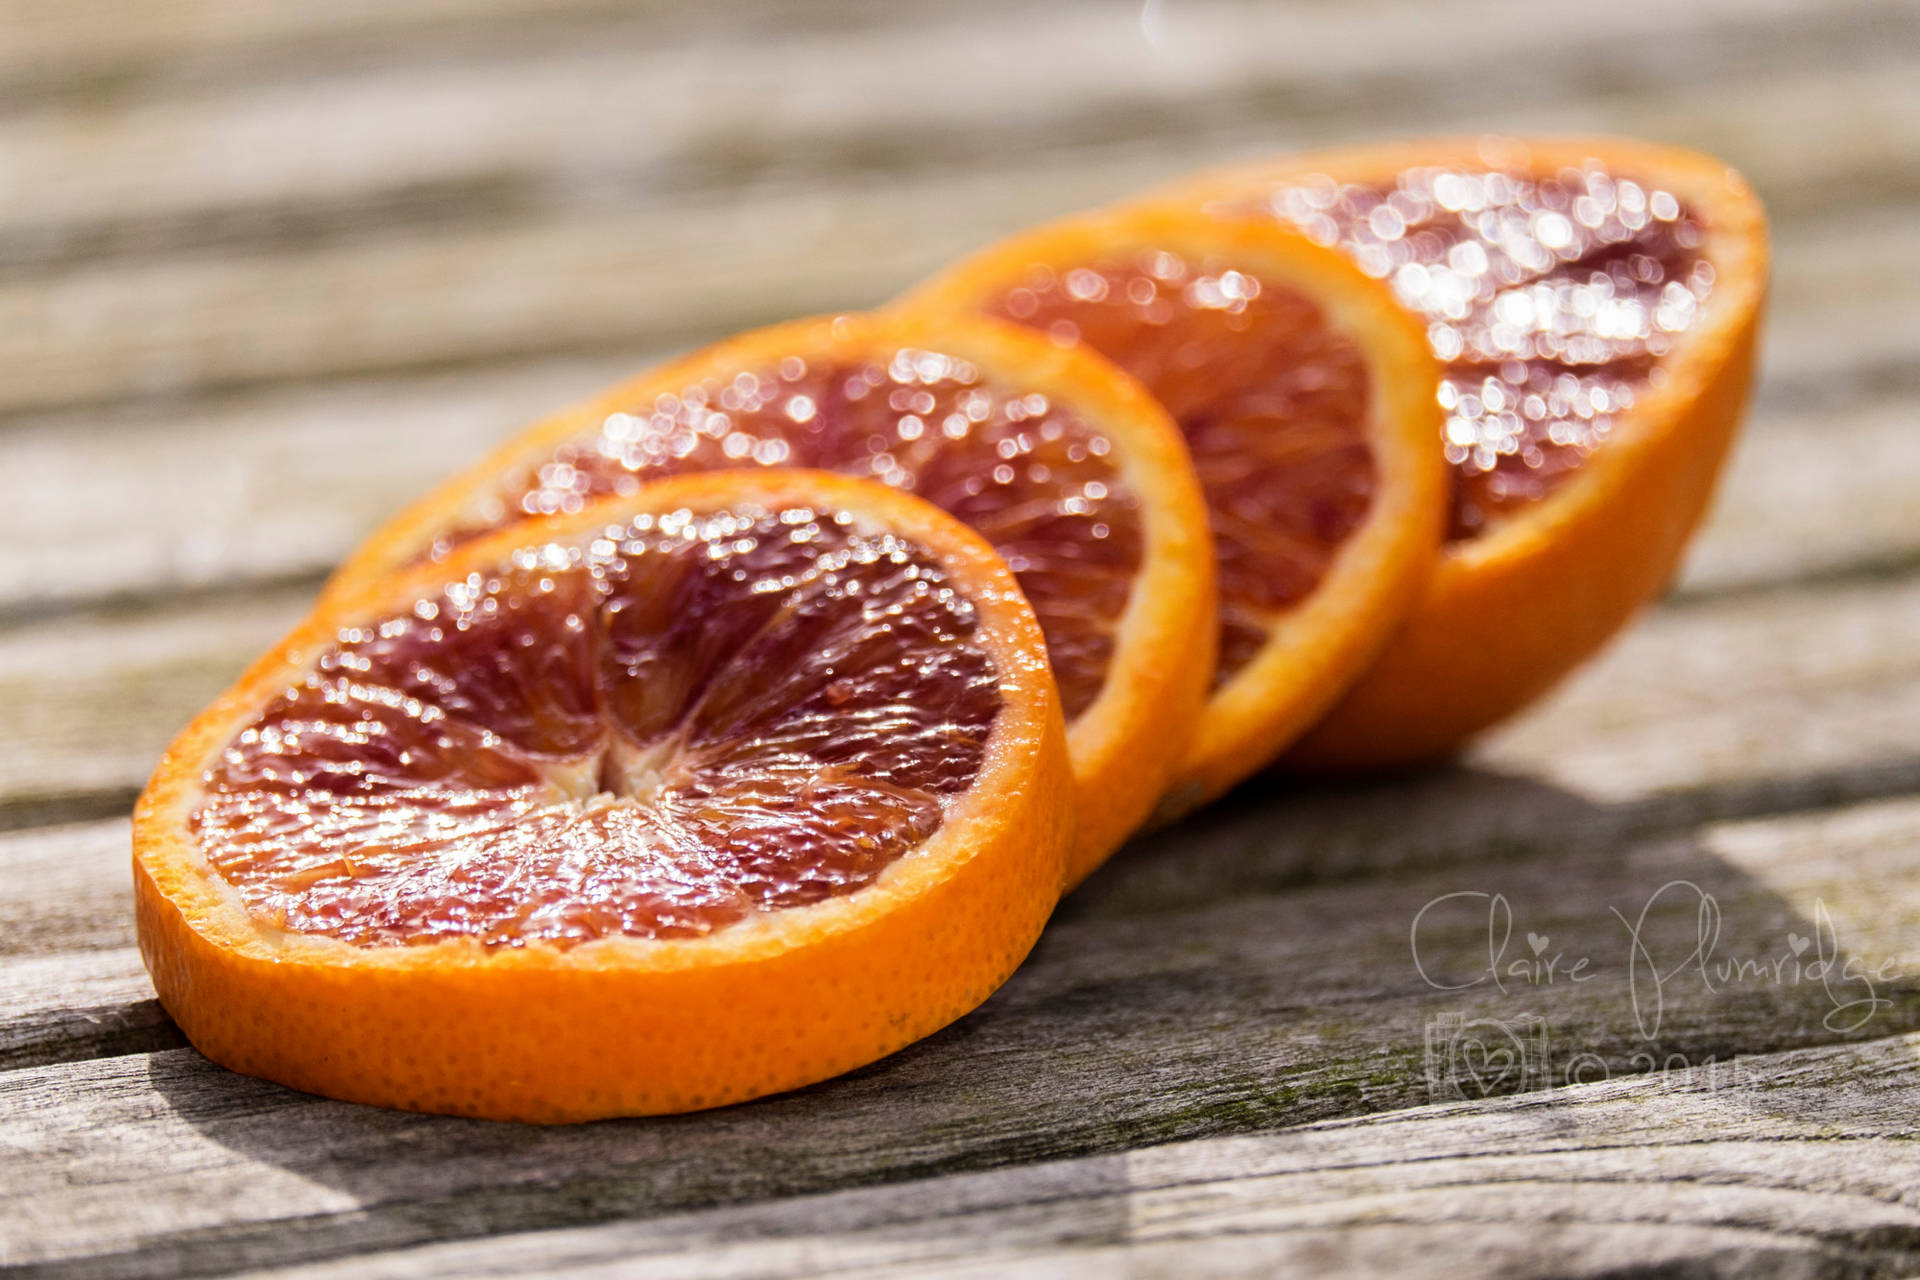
(1551,300)
(1033,476)
(698,794)
(685,721)
(1306,397)
(1272,402)
(1595,304)
(1073,473)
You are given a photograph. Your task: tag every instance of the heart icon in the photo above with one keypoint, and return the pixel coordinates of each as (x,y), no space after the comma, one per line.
(1487,1067)
(1538,941)
(1797,942)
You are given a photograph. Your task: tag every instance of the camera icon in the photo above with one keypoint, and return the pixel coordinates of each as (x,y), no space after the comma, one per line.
(1471,1058)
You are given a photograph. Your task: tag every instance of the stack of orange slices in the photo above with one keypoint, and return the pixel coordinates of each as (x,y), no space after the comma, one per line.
(745,723)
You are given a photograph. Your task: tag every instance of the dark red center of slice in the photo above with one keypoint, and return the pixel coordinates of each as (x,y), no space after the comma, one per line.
(1550,301)
(652,734)
(1272,401)
(1034,478)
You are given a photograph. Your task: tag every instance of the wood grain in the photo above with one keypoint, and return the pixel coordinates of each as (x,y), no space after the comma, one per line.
(76,1007)
(1824,489)
(87,698)
(623,112)
(666,272)
(66,889)
(1808,1170)
(114,48)
(1138,1021)
(261,488)
(270,269)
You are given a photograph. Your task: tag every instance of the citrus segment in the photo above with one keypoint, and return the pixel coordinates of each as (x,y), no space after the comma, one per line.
(781,696)
(1551,298)
(1261,387)
(1304,396)
(1595,302)
(726,732)
(1068,469)
(1035,477)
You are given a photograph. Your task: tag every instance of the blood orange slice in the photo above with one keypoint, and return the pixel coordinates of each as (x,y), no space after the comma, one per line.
(1068,468)
(1306,398)
(1595,302)
(687,797)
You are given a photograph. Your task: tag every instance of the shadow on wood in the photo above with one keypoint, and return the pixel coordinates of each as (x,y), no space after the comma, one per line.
(1252,971)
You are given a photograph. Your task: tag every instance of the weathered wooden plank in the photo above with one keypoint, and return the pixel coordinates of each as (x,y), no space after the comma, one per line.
(659,276)
(71,984)
(262,487)
(666,272)
(1748,705)
(72,1007)
(1761,704)
(86,704)
(1829,327)
(111,47)
(1139,1020)
(1800,1163)
(1813,489)
(624,115)
(66,889)
(1772,686)
(1719,708)
(275,485)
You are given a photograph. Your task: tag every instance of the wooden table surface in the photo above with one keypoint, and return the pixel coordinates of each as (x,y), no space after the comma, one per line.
(268,269)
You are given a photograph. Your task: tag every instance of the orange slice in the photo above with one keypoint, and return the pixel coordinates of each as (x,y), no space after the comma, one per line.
(1306,396)
(1595,303)
(1069,469)
(687,797)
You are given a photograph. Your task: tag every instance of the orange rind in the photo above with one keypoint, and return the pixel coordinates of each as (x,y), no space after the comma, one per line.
(1306,396)
(1065,465)
(1556,543)
(693,795)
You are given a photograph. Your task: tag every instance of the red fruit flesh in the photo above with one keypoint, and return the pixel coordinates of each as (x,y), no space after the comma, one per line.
(1550,301)
(1272,402)
(1031,476)
(654,733)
